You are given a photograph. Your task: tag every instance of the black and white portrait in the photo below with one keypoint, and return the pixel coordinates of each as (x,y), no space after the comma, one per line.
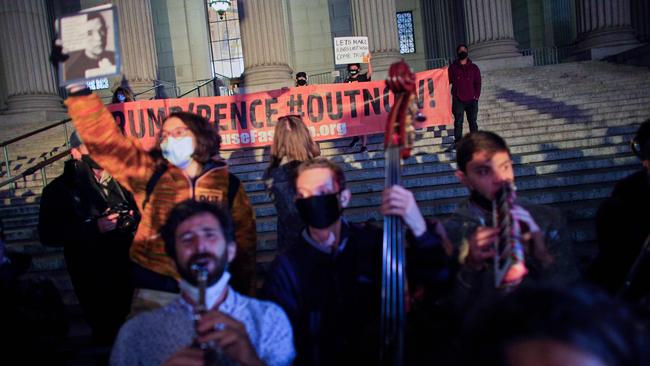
(89,39)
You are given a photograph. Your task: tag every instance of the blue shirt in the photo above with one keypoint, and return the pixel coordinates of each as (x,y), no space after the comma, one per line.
(152,337)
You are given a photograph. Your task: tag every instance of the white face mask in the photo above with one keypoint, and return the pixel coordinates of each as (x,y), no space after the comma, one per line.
(212,293)
(178,150)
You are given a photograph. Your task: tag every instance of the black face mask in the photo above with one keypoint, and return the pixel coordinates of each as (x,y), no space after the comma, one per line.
(90,162)
(462,55)
(354,72)
(319,211)
(301,82)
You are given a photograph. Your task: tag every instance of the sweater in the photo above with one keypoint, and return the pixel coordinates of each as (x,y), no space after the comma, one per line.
(133,167)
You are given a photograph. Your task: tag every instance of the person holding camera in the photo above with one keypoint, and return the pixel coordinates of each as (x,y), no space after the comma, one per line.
(94,219)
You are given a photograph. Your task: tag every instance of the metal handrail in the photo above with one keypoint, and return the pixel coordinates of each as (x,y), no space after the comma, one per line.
(217,76)
(40,166)
(32,133)
(158,84)
(198,86)
(437,63)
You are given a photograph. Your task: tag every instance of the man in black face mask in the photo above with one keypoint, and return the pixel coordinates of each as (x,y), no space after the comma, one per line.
(329,282)
(78,213)
(301,79)
(465,80)
(355,76)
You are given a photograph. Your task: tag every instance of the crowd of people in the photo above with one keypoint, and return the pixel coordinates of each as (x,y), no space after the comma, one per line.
(136,225)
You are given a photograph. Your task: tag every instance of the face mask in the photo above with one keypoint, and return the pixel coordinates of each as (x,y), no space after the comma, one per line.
(90,162)
(212,293)
(462,55)
(319,211)
(178,151)
(354,72)
(121,98)
(302,82)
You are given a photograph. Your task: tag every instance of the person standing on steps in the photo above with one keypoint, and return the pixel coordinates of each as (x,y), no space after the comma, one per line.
(465,80)
(301,79)
(355,76)
(94,219)
(292,144)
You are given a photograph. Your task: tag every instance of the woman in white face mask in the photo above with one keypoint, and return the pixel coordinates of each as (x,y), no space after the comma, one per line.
(183,165)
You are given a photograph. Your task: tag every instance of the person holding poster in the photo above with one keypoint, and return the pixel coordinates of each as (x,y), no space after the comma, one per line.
(184,164)
(465,80)
(355,76)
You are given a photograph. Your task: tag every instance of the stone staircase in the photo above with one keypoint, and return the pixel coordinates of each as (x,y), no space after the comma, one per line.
(568,125)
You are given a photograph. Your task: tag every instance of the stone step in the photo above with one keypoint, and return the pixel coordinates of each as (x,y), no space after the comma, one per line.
(497,97)
(570,116)
(37,183)
(554,106)
(546,151)
(566,89)
(442,133)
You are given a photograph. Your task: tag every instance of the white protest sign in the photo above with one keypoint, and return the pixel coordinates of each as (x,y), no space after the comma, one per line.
(351,50)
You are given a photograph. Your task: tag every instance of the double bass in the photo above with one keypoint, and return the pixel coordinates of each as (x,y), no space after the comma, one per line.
(398,141)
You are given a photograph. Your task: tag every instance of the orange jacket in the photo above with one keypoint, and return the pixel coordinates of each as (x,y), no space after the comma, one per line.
(133,167)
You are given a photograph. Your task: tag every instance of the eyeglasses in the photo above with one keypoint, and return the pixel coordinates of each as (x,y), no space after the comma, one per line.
(177,132)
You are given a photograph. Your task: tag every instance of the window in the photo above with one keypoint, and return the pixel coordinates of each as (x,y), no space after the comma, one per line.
(405,32)
(225,40)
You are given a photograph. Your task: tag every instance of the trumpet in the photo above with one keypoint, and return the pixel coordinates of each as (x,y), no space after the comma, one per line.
(213,355)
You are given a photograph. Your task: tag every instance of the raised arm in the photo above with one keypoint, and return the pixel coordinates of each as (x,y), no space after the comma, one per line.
(120,156)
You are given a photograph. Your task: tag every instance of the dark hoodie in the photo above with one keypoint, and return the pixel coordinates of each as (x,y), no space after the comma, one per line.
(465,81)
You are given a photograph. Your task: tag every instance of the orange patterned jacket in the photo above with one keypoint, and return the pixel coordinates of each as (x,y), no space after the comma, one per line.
(133,167)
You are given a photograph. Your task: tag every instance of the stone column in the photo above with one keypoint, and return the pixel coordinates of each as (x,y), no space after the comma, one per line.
(443,23)
(377,20)
(25,43)
(489,29)
(640,16)
(264,42)
(138,45)
(604,24)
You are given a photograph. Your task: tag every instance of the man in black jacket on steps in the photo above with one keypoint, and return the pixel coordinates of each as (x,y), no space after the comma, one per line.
(75,213)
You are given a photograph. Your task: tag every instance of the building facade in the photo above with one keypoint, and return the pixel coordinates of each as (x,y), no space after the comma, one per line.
(173,47)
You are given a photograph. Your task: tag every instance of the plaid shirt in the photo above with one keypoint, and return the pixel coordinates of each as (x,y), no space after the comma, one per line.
(152,337)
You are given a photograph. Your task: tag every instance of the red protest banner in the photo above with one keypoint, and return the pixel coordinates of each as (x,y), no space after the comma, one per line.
(330,111)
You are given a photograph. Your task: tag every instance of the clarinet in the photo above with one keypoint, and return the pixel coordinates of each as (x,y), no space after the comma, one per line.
(212,354)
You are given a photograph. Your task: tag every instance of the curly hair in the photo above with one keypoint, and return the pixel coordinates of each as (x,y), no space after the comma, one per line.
(189,208)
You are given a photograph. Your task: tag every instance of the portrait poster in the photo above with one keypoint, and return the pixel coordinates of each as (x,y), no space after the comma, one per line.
(90,39)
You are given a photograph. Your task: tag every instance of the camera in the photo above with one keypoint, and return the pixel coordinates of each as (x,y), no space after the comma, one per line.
(125,222)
